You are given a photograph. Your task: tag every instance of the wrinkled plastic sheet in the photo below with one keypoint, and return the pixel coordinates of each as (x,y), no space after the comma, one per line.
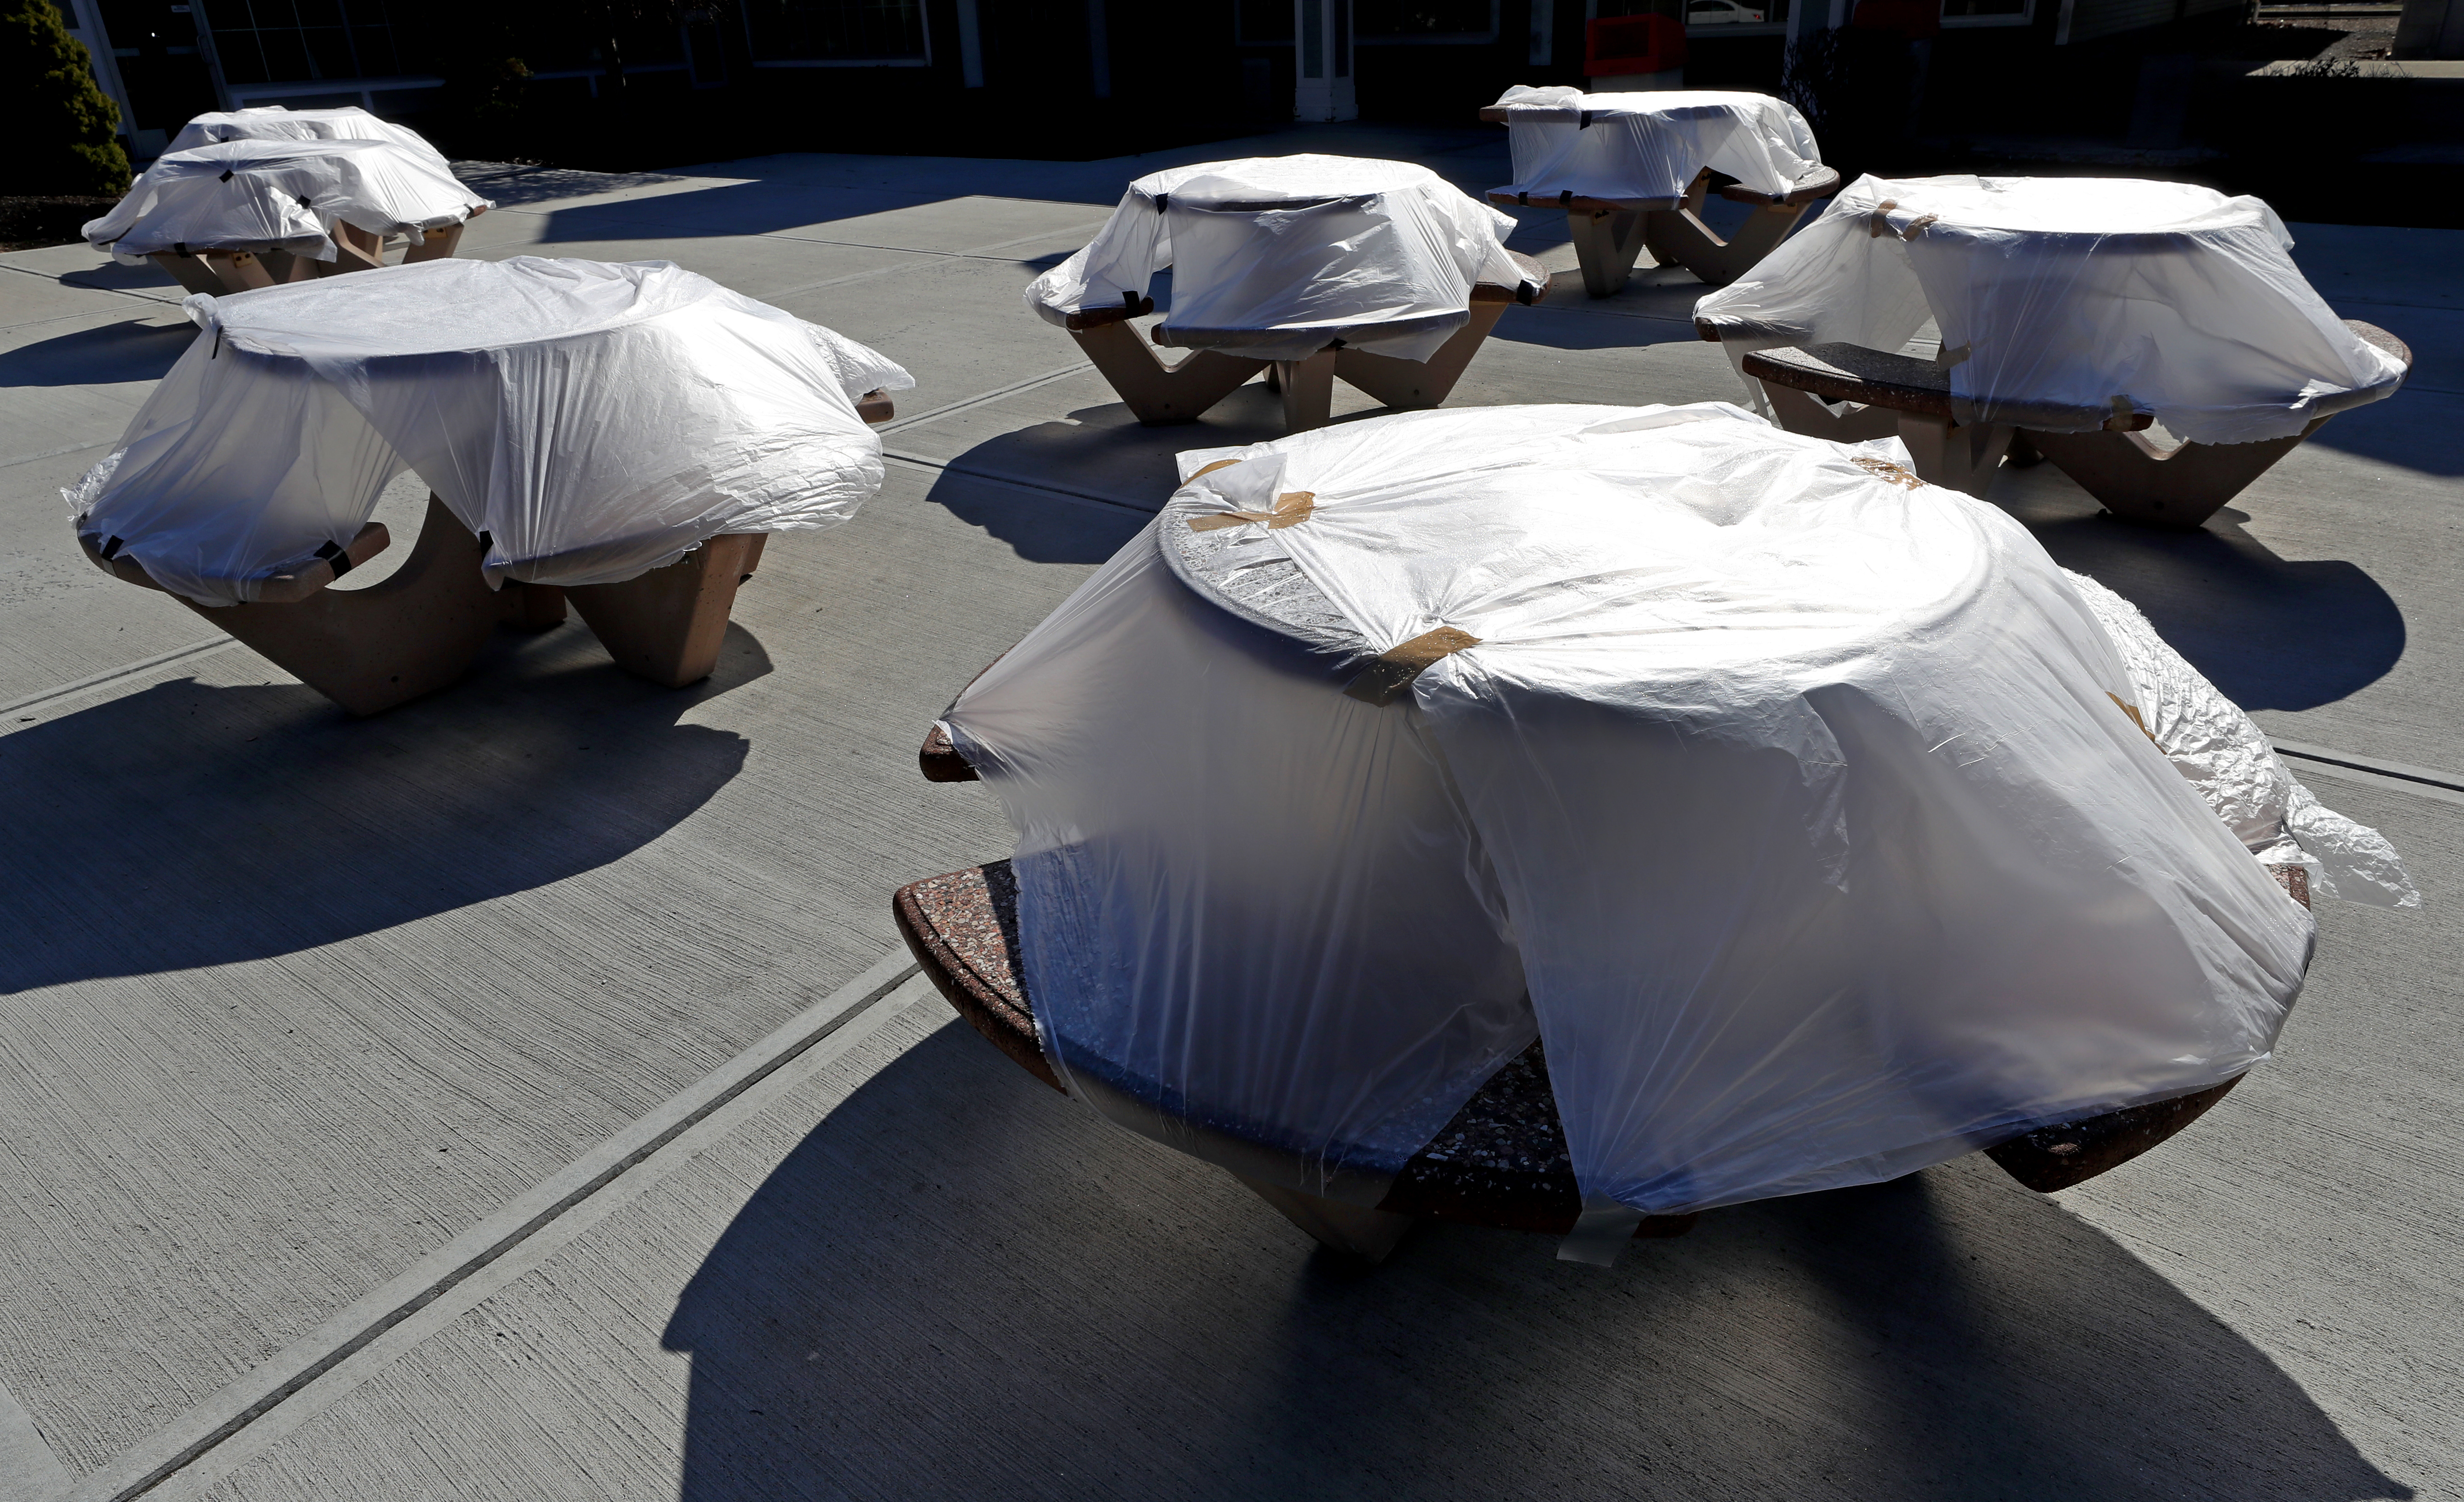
(281,195)
(1800,808)
(1647,148)
(1275,258)
(594,421)
(2062,302)
(275,122)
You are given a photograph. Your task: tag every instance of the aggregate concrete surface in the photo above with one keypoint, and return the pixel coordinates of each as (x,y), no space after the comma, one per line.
(522,1094)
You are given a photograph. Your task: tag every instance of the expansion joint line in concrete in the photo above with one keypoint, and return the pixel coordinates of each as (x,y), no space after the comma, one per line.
(993,477)
(180,1444)
(2395,776)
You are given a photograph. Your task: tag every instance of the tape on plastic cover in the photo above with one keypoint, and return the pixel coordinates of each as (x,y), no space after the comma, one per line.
(1600,1232)
(1291,508)
(2132,709)
(1391,671)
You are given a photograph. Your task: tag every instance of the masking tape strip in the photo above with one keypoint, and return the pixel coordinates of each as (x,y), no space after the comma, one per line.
(1291,508)
(1600,1232)
(2132,709)
(1391,671)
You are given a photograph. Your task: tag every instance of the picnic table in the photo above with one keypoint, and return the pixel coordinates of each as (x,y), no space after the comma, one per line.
(275,123)
(1311,269)
(249,213)
(1634,170)
(2153,340)
(1549,817)
(622,437)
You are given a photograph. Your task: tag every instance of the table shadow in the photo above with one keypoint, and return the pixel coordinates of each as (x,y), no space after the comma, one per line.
(959,1284)
(1072,490)
(188,824)
(2270,632)
(105,355)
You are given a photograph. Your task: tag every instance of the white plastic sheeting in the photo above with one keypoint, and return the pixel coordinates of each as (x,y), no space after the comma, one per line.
(2228,758)
(1791,803)
(281,195)
(1275,258)
(1640,148)
(2062,302)
(275,122)
(593,420)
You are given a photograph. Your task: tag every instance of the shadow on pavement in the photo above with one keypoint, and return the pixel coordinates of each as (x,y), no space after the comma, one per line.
(114,276)
(961,1285)
(2414,427)
(137,350)
(190,825)
(2269,632)
(1097,451)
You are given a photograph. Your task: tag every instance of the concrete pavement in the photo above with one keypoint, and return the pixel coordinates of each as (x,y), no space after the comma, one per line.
(508,1096)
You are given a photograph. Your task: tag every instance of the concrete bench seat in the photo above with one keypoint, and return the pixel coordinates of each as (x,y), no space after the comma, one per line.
(1158,394)
(2105,452)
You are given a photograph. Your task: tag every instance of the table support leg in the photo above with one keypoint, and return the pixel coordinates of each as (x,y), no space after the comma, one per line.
(193,272)
(1679,236)
(1606,245)
(1952,457)
(1801,412)
(666,624)
(1352,1230)
(1157,393)
(368,650)
(434,245)
(1407,384)
(1309,390)
(2178,490)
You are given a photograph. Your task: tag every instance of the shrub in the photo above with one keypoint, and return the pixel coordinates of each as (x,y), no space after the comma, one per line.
(56,121)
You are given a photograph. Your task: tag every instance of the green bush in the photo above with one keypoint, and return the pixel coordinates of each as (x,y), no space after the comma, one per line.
(58,122)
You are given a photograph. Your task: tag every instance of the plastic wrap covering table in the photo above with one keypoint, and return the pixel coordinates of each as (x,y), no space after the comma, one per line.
(246,214)
(1312,269)
(275,122)
(2154,340)
(623,436)
(1805,813)
(1632,171)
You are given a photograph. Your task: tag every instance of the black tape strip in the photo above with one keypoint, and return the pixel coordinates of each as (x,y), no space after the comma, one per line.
(1585,123)
(1566,199)
(1163,201)
(334,556)
(111,549)
(227,175)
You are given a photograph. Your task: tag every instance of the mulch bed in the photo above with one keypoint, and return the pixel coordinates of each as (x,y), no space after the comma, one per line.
(26,223)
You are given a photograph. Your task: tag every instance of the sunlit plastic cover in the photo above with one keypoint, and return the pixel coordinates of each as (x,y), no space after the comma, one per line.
(1799,808)
(593,420)
(281,195)
(1275,258)
(2064,301)
(274,122)
(1640,148)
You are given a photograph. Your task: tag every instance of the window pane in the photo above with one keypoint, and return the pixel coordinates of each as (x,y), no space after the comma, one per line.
(832,30)
(1426,17)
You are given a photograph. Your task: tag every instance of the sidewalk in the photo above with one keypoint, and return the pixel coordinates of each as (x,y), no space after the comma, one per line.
(523,1094)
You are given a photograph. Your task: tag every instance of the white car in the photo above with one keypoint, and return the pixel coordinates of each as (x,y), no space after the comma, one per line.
(1720,12)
